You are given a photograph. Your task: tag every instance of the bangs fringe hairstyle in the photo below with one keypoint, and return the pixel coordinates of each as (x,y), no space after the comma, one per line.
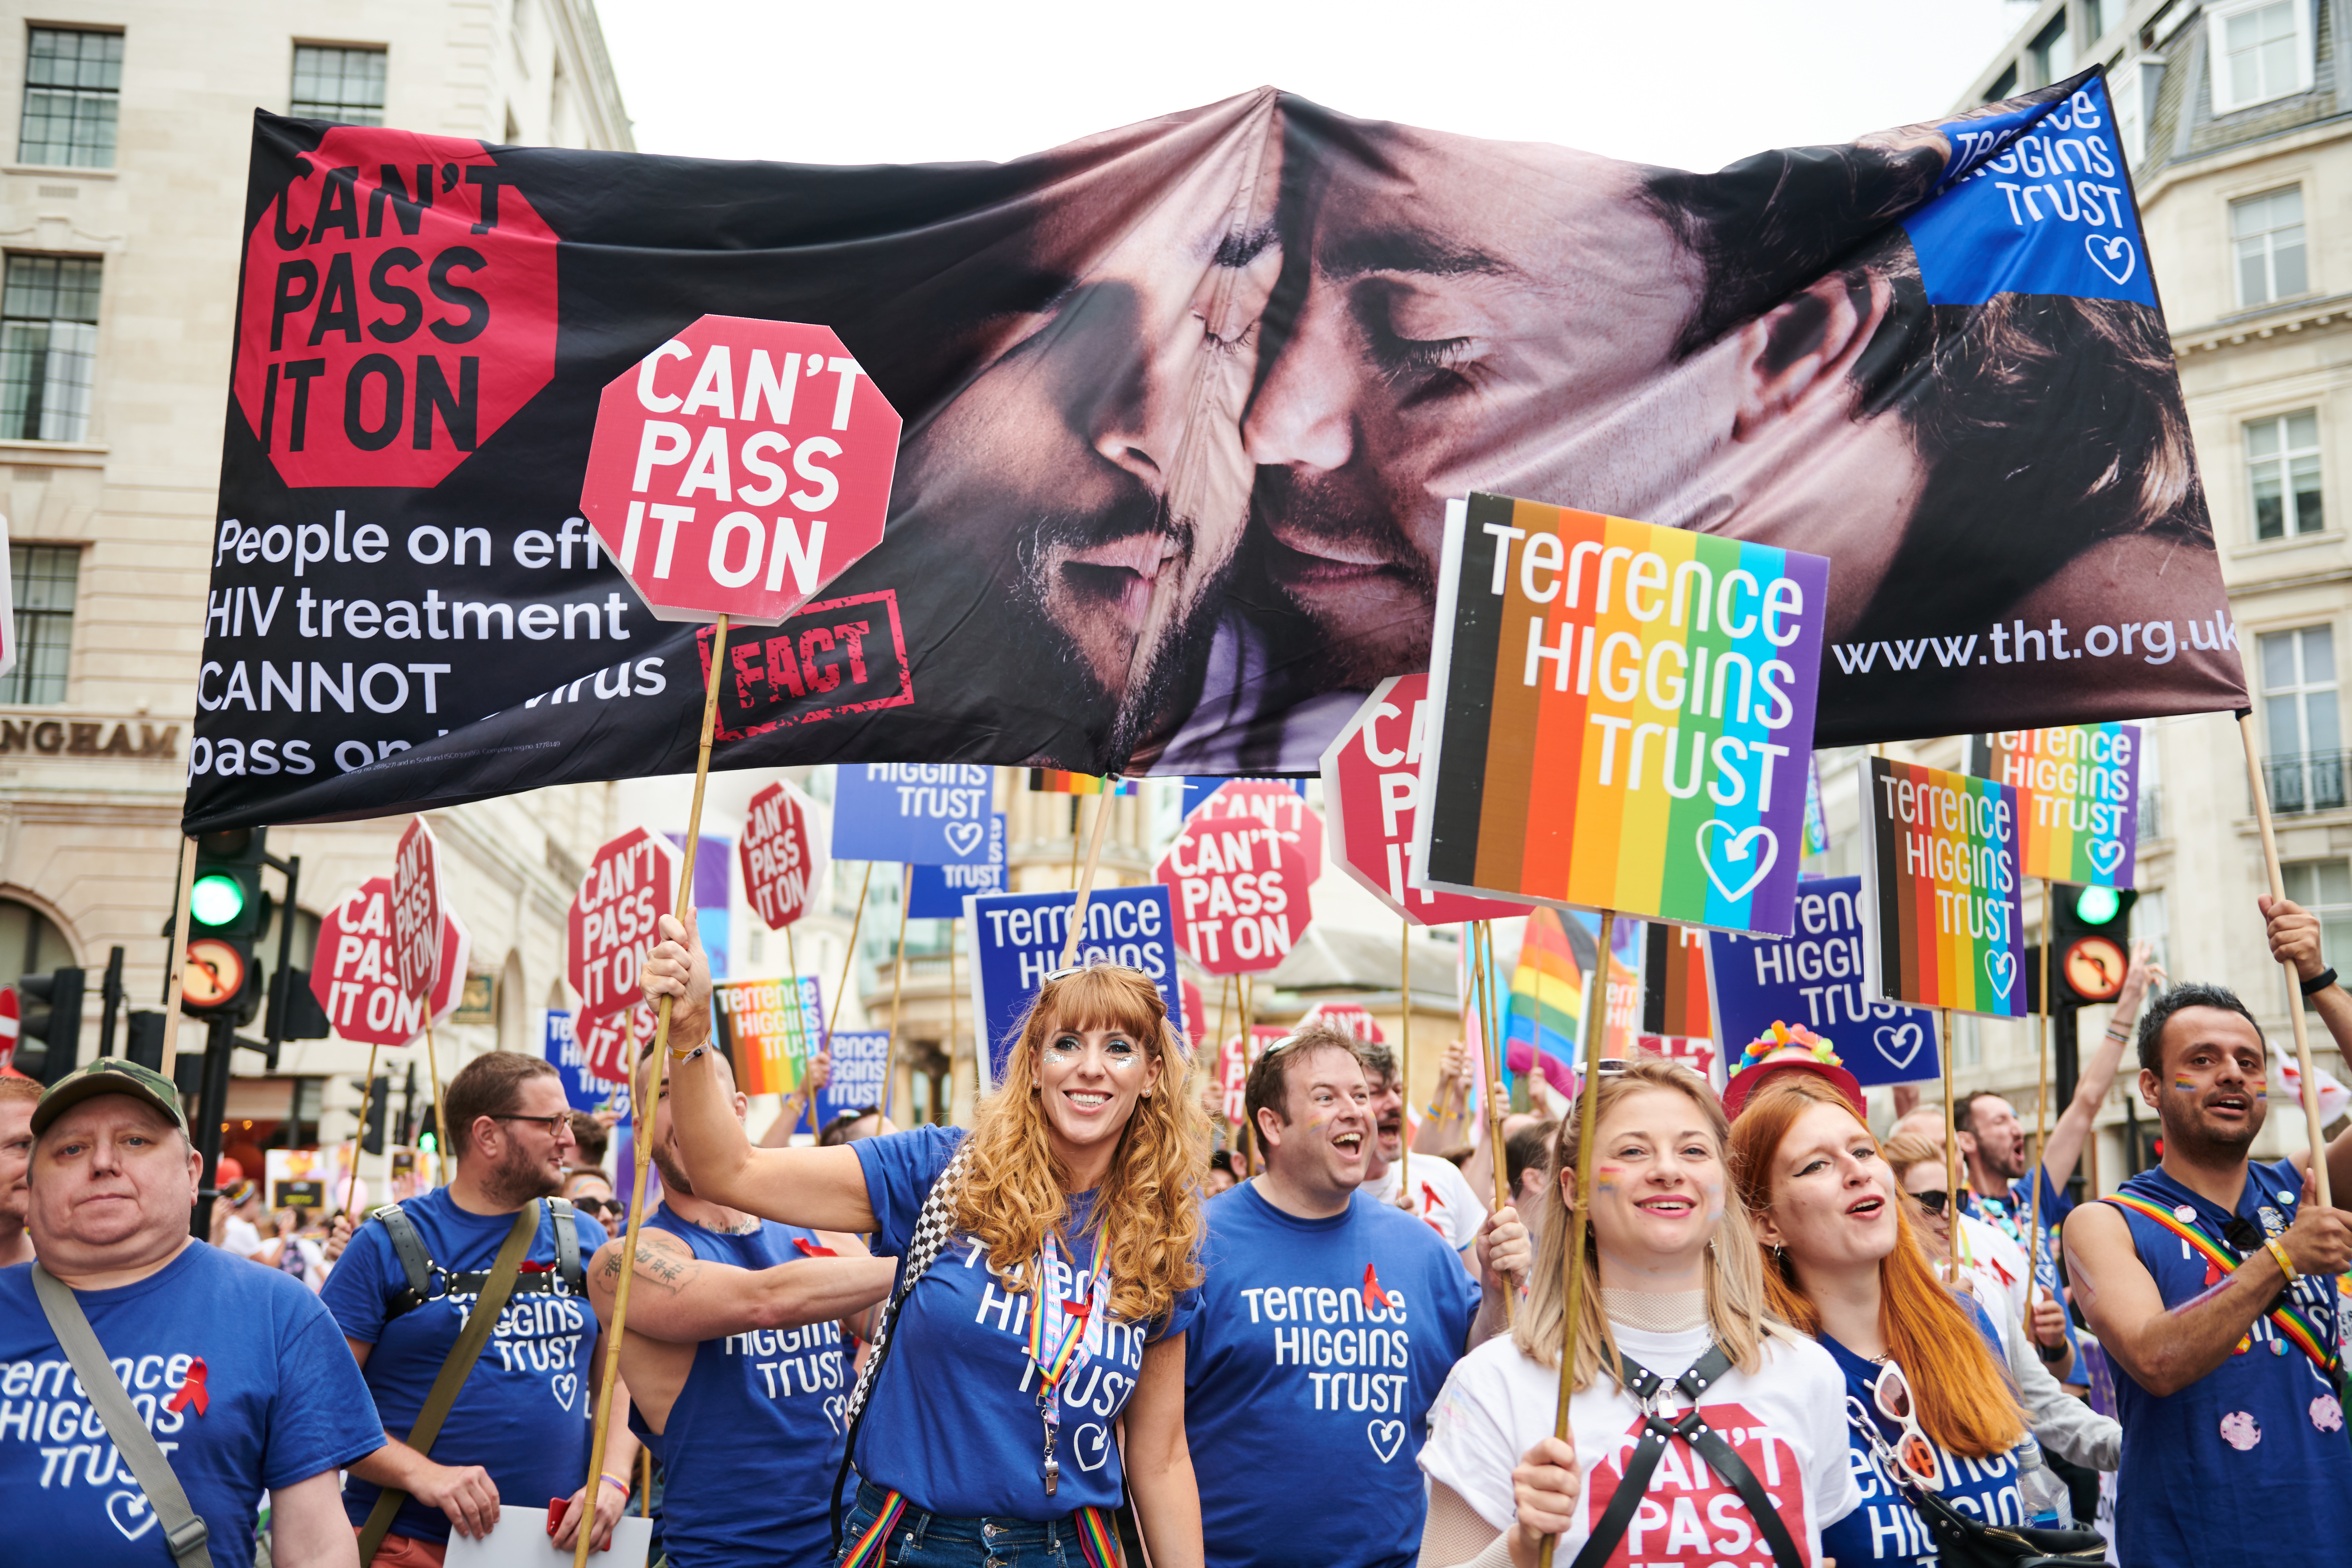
(1966,1402)
(1147,1218)
(1735,1295)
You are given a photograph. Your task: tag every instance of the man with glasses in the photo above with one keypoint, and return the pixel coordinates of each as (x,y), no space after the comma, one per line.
(520,1427)
(2211,1281)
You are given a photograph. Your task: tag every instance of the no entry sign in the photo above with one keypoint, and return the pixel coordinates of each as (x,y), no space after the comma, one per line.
(357,980)
(614,921)
(416,910)
(778,855)
(1239,891)
(739,468)
(1372,786)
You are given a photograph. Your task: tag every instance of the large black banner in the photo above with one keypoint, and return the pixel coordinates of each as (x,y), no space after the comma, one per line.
(1183,404)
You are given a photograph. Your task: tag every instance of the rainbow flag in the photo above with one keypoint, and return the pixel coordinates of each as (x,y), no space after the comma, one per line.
(1546,1005)
(1054,781)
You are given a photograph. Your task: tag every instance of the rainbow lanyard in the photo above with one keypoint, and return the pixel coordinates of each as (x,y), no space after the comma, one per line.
(1062,1336)
(2293,1324)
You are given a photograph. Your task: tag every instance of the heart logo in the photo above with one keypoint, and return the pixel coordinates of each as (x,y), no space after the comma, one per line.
(2106,854)
(1739,853)
(1387,1438)
(2095,243)
(2002,967)
(836,1411)
(564,1384)
(963,837)
(1090,1447)
(1899,1044)
(131,1513)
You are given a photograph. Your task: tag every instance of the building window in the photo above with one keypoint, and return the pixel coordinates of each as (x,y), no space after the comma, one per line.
(42,578)
(49,344)
(2305,770)
(2283,471)
(2002,86)
(2053,54)
(2324,888)
(2266,238)
(2258,52)
(73,85)
(2105,15)
(345,86)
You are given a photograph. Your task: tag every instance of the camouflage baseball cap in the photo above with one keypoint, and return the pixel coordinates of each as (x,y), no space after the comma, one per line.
(109,1075)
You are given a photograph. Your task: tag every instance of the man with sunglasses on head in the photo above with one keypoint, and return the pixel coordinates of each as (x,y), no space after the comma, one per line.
(2211,1282)
(519,1428)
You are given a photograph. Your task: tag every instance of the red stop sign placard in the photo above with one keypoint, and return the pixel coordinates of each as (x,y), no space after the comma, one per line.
(615,921)
(1277,805)
(778,857)
(10,1027)
(357,981)
(1239,892)
(1372,787)
(604,1041)
(416,910)
(739,468)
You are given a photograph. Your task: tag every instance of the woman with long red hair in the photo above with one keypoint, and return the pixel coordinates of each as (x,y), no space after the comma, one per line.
(1928,1406)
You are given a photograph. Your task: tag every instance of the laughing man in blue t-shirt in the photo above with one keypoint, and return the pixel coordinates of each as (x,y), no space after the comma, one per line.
(2210,1281)
(1329,1321)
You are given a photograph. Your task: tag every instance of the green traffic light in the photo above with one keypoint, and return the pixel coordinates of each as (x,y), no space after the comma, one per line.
(216,899)
(2097,905)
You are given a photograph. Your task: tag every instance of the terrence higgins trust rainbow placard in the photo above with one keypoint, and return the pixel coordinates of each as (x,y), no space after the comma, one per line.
(1942,923)
(1626,716)
(2077,797)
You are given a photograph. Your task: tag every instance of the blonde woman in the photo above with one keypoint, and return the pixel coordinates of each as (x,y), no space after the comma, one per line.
(1685,1390)
(989,1432)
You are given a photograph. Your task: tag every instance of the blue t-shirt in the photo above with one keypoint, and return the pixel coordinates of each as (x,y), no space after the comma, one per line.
(281,1403)
(753,1441)
(523,1414)
(1289,1372)
(1886,1528)
(2013,1216)
(952,1422)
(2264,1429)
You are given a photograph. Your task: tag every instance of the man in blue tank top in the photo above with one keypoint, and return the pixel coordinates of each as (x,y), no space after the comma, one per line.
(2210,1283)
(733,1358)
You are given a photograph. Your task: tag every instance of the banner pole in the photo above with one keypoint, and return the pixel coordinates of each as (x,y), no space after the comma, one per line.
(176,969)
(2041,1106)
(1405,1058)
(1225,1018)
(1086,881)
(1494,1088)
(1587,1110)
(898,985)
(841,993)
(351,1192)
(955,940)
(1249,1125)
(2294,982)
(433,1073)
(799,1026)
(1951,1160)
(640,1123)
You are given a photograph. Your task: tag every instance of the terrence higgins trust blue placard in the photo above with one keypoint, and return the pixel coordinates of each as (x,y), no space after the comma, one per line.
(1814,978)
(861,1063)
(919,813)
(2035,200)
(583,1089)
(938,892)
(1016,939)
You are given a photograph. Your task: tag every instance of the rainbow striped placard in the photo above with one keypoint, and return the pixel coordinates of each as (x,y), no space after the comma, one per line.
(1943,920)
(1627,713)
(1054,781)
(2077,795)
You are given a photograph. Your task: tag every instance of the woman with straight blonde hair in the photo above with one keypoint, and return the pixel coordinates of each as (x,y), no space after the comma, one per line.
(1927,1405)
(1047,1271)
(1690,1406)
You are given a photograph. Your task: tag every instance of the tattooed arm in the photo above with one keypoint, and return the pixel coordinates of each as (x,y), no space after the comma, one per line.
(680,1299)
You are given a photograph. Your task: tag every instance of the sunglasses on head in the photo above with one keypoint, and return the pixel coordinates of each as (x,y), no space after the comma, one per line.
(1054,975)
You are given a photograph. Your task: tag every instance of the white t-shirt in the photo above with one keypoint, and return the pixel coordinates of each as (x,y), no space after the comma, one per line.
(241,1237)
(1788,1421)
(1999,1263)
(1440,1195)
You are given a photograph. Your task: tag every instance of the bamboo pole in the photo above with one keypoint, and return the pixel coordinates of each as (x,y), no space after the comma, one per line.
(2294,981)
(841,994)
(2040,1112)
(1596,1033)
(1484,938)
(1225,1017)
(1404,1059)
(351,1192)
(1087,880)
(640,1122)
(176,969)
(1249,1127)
(897,987)
(799,1026)
(1952,1160)
(440,1128)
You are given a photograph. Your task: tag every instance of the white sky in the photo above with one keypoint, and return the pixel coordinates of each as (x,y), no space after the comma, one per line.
(1688,83)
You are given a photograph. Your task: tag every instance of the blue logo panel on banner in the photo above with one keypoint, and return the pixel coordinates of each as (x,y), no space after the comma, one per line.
(1814,978)
(1016,940)
(861,1061)
(583,1089)
(920,814)
(938,892)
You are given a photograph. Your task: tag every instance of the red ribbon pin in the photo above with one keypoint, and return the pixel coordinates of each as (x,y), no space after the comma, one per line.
(811,1250)
(192,1390)
(1374,1296)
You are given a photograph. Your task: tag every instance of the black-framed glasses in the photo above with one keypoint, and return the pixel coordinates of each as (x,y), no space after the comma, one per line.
(555,1125)
(1934,1200)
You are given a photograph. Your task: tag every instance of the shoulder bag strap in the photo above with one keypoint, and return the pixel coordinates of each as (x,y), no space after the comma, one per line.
(415,1264)
(934,1227)
(186,1534)
(567,1246)
(479,1321)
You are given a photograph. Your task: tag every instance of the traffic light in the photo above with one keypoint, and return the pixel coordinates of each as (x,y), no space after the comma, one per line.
(379,1100)
(144,1039)
(49,1036)
(2090,941)
(226,911)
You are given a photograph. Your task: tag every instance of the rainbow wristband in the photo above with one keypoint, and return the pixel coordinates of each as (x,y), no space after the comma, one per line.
(618,1481)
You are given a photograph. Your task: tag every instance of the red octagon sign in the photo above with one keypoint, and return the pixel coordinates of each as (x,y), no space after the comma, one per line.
(1239,891)
(778,864)
(1372,787)
(357,982)
(739,468)
(614,921)
(416,910)
(1277,804)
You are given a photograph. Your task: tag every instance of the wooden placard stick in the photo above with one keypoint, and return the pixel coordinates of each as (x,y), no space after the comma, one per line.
(2295,1008)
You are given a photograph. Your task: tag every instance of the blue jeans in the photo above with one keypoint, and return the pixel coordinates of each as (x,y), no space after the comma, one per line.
(935,1540)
